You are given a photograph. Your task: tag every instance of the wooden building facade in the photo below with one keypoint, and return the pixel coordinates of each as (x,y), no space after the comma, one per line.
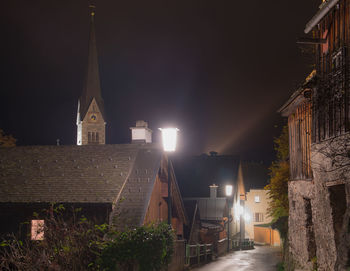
(319,136)
(331,99)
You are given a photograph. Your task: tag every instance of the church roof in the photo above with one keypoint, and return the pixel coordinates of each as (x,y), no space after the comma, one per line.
(92,86)
(80,174)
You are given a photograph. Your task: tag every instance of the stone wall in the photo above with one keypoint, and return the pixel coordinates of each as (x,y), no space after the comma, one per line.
(319,218)
(298,192)
(331,169)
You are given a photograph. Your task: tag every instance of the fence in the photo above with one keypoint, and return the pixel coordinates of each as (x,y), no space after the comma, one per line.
(195,254)
(178,259)
(221,247)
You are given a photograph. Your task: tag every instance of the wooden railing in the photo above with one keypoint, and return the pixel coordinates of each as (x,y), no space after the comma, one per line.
(242,244)
(195,254)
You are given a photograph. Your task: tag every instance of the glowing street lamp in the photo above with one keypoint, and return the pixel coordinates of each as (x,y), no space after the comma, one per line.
(169,138)
(228,191)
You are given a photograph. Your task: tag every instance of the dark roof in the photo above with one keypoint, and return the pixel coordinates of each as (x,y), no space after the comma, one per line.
(255,175)
(190,207)
(211,208)
(92,86)
(196,173)
(132,203)
(298,96)
(91,173)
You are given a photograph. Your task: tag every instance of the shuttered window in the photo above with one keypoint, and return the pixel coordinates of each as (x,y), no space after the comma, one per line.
(299,124)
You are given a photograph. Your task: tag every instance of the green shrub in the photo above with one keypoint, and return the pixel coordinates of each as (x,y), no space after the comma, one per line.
(148,247)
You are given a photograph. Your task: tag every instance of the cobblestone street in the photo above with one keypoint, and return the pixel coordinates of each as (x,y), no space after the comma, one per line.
(262,258)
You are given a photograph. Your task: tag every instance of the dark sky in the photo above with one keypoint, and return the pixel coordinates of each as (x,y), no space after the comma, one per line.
(218,70)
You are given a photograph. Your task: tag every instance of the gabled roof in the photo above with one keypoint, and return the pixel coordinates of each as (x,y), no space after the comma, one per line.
(131,204)
(90,173)
(299,96)
(120,175)
(92,86)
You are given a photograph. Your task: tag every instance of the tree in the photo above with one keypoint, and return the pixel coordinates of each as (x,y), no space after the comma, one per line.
(278,186)
(6,140)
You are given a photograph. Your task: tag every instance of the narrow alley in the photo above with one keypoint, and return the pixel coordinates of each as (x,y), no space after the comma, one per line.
(262,258)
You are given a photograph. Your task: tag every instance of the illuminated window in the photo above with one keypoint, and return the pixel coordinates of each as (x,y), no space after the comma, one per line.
(258,217)
(37,230)
(257,198)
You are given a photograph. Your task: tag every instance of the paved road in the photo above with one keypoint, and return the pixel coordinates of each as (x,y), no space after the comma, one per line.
(262,258)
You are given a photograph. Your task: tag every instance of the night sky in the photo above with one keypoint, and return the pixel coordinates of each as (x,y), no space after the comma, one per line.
(218,70)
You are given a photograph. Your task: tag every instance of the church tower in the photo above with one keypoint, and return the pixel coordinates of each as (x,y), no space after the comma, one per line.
(91,125)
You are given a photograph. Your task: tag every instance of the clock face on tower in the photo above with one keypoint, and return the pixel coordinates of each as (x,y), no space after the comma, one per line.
(93,117)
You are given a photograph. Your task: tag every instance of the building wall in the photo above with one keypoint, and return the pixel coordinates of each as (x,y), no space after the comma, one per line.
(319,218)
(299,192)
(266,235)
(253,208)
(158,206)
(157,210)
(331,168)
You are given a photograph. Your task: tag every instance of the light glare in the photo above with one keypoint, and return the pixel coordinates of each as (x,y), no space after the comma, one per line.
(169,137)
(246,217)
(228,190)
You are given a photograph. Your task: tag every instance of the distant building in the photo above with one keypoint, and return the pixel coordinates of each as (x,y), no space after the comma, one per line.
(319,125)
(258,225)
(195,174)
(208,220)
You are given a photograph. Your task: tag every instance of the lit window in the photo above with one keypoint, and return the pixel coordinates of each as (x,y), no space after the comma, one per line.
(37,230)
(258,217)
(257,198)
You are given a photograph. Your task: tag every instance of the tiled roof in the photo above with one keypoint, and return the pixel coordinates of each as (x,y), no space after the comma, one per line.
(132,204)
(93,174)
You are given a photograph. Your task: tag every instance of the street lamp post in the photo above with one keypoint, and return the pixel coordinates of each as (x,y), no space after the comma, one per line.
(228,190)
(169,138)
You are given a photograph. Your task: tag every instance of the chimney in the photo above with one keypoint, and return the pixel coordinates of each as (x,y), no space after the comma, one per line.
(213,191)
(141,133)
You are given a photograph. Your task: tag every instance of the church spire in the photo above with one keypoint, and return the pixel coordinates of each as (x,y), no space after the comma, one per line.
(90,116)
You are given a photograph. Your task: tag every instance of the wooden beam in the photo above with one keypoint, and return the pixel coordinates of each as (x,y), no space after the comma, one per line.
(311,41)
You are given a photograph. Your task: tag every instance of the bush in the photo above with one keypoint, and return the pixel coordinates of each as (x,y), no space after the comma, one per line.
(79,244)
(148,247)
(67,245)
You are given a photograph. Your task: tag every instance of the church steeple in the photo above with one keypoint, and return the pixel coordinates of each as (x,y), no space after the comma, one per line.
(90,115)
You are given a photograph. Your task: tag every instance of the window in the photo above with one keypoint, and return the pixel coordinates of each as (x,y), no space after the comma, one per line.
(258,217)
(37,230)
(257,199)
(93,138)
